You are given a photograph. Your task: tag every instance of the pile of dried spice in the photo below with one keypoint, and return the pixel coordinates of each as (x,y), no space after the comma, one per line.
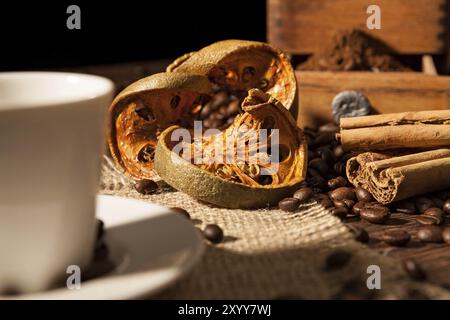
(353,50)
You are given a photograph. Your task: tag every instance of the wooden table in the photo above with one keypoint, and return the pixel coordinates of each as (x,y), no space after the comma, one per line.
(434,259)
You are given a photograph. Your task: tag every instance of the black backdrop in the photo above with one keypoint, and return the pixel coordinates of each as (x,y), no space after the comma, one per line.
(33,34)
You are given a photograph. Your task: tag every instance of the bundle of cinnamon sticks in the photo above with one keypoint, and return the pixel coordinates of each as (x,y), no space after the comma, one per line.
(406,153)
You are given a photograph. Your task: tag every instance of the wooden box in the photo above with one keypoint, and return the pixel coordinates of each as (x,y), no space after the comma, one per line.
(300,27)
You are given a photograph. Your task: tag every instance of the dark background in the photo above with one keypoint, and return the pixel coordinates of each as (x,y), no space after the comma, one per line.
(33,34)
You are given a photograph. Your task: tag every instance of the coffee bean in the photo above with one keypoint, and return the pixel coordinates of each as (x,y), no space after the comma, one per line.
(336,182)
(357,208)
(443,195)
(430,234)
(423,204)
(396,237)
(326,155)
(413,269)
(312,155)
(377,215)
(436,213)
(345,203)
(181,211)
(213,233)
(363,195)
(338,151)
(337,260)
(146,186)
(437,202)
(316,182)
(329,127)
(339,168)
(303,194)
(319,165)
(326,203)
(446,207)
(289,204)
(342,193)
(341,212)
(446,235)
(355,289)
(407,207)
(322,139)
(359,234)
(427,220)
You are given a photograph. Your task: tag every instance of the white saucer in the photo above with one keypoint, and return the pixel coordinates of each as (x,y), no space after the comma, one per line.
(150,246)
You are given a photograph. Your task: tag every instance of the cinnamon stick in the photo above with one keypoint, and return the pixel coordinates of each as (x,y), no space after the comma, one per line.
(390,178)
(424,129)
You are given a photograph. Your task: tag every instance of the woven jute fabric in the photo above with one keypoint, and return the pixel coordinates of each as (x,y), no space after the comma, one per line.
(269,253)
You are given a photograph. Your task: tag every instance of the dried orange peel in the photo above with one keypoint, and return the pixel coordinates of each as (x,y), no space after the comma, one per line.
(237,183)
(145,108)
(240,65)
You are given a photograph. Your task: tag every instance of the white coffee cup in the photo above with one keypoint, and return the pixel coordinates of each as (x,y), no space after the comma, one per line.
(51,138)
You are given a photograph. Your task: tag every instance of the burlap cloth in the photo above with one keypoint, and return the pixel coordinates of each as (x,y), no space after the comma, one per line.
(269,253)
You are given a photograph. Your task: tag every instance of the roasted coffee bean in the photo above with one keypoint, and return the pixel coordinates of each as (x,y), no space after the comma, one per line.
(356,209)
(339,168)
(437,201)
(303,194)
(312,155)
(336,182)
(355,289)
(404,206)
(329,127)
(100,229)
(446,235)
(430,234)
(423,204)
(363,195)
(436,213)
(374,204)
(289,204)
(326,203)
(319,165)
(443,195)
(427,220)
(338,151)
(375,214)
(345,203)
(311,173)
(359,234)
(310,132)
(396,237)
(146,186)
(181,211)
(316,182)
(349,104)
(340,212)
(327,155)
(413,269)
(322,139)
(337,260)
(213,233)
(342,193)
(446,207)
